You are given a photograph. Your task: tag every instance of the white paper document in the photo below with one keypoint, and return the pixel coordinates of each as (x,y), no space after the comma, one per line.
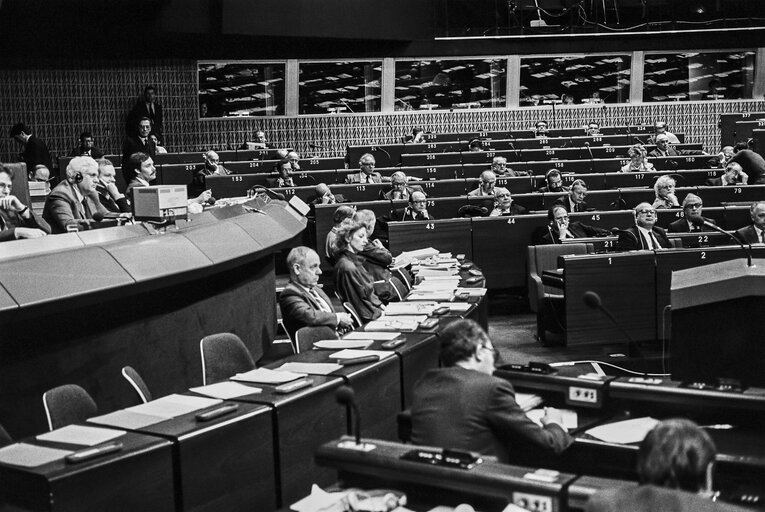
(410,308)
(127,419)
(267,376)
(352,354)
(30,455)
(171,406)
(81,435)
(624,432)
(371,335)
(431,295)
(341,344)
(456,307)
(226,390)
(310,368)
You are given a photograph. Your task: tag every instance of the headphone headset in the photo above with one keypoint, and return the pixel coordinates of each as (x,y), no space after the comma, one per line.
(75,178)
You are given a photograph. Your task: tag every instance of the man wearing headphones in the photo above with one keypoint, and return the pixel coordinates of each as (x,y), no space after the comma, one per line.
(16,219)
(554,182)
(74,201)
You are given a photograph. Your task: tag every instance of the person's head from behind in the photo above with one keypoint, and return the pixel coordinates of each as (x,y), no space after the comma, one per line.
(323,191)
(645,215)
(741,145)
(106,172)
(677,454)
(342,213)
(86,140)
(475,144)
(554,180)
(465,343)
(664,186)
(143,166)
(351,236)
(304,266)
(418,202)
(367,218)
(82,172)
(578,191)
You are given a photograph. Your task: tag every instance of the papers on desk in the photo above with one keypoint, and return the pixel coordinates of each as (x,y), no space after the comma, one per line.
(267,376)
(30,455)
(410,308)
(171,406)
(226,390)
(127,419)
(420,254)
(430,295)
(456,307)
(395,323)
(473,292)
(320,500)
(341,344)
(353,354)
(296,368)
(80,435)
(527,401)
(570,418)
(624,432)
(371,335)
(437,285)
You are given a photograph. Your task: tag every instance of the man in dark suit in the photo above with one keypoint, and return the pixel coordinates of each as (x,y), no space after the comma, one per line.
(553,182)
(734,175)
(74,201)
(560,228)
(463,406)
(504,205)
(644,235)
(147,107)
(137,144)
(692,206)
(367,173)
(86,147)
(400,188)
(35,151)
(417,209)
(17,220)
(574,201)
(675,462)
(303,303)
(106,186)
(755,232)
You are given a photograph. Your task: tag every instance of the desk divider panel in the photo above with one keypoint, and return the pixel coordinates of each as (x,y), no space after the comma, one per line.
(450,235)
(735,217)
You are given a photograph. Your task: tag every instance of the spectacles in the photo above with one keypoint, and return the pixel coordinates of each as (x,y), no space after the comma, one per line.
(491,349)
(647,212)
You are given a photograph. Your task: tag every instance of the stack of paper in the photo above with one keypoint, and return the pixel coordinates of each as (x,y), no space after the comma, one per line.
(266,376)
(427,252)
(226,390)
(353,354)
(371,335)
(81,435)
(127,419)
(456,307)
(410,308)
(341,344)
(473,292)
(391,324)
(174,405)
(437,285)
(430,295)
(30,455)
(527,401)
(624,432)
(297,368)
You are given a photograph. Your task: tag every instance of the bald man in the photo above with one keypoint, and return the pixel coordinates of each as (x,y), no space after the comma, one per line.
(644,235)
(210,167)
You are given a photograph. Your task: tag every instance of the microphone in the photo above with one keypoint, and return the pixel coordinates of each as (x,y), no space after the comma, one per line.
(589,149)
(84,224)
(347,397)
(700,221)
(98,216)
(270,193)
(593,301)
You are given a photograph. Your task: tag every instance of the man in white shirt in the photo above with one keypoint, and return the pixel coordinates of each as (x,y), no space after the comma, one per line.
(644,235)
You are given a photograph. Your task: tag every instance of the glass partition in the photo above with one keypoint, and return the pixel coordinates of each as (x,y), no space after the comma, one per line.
(237,89)
(698,76)
(450,84)
(575,79)
(335,87)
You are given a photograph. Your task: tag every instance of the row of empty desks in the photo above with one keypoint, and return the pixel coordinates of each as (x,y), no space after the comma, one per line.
(258,457)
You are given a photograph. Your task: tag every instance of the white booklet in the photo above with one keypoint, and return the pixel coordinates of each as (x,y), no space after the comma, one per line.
(267,376)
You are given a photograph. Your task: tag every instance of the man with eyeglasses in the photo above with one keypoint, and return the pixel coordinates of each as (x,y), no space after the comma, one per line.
(574,201)
(734,175)
(644,235)
(486,187)
(367,173)
(504,205)
(540,129)
(463,406)
(400,188)
(692,206)
(553,182)
(499,168)
(560,228)
(755,232)
(417,209)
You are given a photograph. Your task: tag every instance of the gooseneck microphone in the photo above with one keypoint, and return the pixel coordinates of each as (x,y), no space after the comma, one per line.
(589,150)
(700,221)
(592,300)
(346,396)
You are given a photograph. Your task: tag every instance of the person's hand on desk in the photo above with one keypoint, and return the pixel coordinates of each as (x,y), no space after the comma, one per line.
(344,320)
(29,233)
(552,415)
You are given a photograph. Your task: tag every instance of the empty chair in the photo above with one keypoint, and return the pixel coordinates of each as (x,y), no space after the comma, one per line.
(135,380)
(223,355)
(404,277)
(67,404)
(305,337)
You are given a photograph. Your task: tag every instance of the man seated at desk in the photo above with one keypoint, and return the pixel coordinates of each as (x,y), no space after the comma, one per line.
(574,201)
(644,235)
(553,182)
(304,304)
(692,206)
(504,205)
(463,406)
(675,462)
(210,167)
(755,232)
(367,173)
(499,168)
(400,188)
(17,220)
(74,201)
(734,175)
(417,209)
(486,187)
(106,187)
(560,228)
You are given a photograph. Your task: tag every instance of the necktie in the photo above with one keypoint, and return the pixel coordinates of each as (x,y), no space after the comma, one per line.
(369,178)
(85,209)
(143,141)
(321,302)
(762,237)
(654,241)
(2,223)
